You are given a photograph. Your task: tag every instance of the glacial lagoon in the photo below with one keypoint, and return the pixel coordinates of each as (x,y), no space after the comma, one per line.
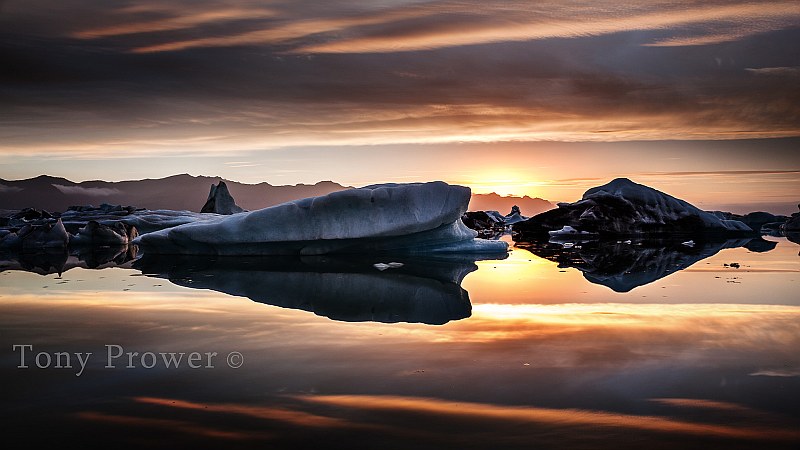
(620,345)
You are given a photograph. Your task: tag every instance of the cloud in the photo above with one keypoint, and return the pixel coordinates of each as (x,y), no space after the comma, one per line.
(92,192)
(782,372)
(147,80)
(280,33)
(594,21)
(308,27)
(175,22)
(725,173)
(8,189)
(775,71)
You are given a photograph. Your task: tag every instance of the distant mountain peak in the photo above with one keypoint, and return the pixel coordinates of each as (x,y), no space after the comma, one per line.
(495,202)
(49,179)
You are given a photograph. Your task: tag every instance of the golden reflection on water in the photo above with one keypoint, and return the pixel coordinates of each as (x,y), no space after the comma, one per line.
(473,423)
(558,417)
(525,278)
(540,335)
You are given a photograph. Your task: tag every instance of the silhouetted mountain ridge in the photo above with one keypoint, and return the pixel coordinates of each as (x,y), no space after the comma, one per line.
(177,192)
(189,192)
(529,206)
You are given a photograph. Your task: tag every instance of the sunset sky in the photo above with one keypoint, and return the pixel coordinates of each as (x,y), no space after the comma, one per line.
(700,99)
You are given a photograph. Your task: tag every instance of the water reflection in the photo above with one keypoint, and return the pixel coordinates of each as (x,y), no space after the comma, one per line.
(376,420)
(625,265)
(352,289)
(538,363)
(60,260)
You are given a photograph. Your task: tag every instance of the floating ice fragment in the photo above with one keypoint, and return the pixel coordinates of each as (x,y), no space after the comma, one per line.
(384,266)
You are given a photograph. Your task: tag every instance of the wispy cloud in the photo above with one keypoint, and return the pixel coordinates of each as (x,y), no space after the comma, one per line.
(282,32)
(725,173)
(90,191)
(780,372)
(776,71)
(412,25)
(8,189)
(594,21)
(176,22)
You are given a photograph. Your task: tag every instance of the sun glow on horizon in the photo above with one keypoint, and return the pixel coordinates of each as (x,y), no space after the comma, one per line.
(505,181)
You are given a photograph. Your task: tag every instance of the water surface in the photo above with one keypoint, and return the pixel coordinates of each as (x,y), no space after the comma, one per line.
(511,353)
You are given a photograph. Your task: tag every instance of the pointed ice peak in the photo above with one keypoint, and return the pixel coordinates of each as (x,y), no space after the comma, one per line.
(220,201)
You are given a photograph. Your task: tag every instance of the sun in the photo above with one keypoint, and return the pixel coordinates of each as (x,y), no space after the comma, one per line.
(505,182)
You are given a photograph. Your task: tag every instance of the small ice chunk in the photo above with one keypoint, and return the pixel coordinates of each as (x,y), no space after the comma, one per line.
(384,266)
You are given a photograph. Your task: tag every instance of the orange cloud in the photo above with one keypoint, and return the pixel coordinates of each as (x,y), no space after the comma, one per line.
(597,22)
(176,23)
(281,33)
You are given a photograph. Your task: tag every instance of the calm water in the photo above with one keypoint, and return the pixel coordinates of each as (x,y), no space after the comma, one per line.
(619,347)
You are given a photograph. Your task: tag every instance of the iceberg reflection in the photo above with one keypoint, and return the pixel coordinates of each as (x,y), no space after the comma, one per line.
(625,265)
(352,289)
(60,260)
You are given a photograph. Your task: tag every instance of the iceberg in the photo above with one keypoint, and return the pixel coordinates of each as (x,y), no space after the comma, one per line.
(415,218)
(568,231)
(793,223)
(97,234)
(514,216)
(48,235)
(144,220)
(220,201)
(622,208)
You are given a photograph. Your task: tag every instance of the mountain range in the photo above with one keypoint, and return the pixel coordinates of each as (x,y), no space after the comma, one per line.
(187,192)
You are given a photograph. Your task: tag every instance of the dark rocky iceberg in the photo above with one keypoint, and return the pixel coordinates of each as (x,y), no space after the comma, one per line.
(483,220)
(97,234)
(492,223)
(757,221)
(625,208)
(793,224)
(220,201)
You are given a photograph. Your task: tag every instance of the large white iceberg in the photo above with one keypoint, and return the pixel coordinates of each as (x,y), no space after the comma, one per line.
(415,218)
